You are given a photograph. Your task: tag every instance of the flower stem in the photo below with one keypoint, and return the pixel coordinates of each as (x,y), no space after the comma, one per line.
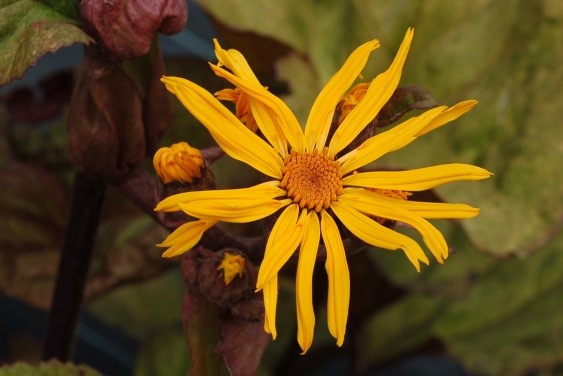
(87,200)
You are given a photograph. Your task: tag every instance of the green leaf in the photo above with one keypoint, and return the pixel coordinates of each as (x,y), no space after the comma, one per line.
(508,57)
(512,318)
(51,368)
(32,224)
(164,354)
(133,309)
(397,329)
(29,29)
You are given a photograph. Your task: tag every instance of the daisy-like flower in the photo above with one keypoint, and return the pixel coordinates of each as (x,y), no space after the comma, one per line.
(313,184)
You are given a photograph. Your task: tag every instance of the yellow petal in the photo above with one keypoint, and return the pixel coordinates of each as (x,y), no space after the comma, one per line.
(233,137)
(377,235)
(378,93)
(270,293)
(264,191)
(267,122)
(418,179)
(382,208)
(304,282)
(282,242)
(381,144)
(429,210)
(233,211)
(450,115)
(185,237)
(265,118)
(445,117)
(236,62)
(284,119)
(338,279)
(320,117)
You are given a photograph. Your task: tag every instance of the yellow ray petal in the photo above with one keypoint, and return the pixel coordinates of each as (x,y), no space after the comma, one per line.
(378,93)
(429,210)
(450,115)
(284,119)
(233,211)
(338,279)
(320,117)
(304,282)
(185,237)
(236,62)
(270,293)
(381,144)
(233,137)
(268,190)
(265,118)
(445,117)
(282,242)
(377,235)
(418,179)
(382,208)
(267,122)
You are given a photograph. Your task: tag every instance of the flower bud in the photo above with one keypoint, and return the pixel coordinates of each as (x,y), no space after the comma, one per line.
(180,168)
(179,162)
(126,27)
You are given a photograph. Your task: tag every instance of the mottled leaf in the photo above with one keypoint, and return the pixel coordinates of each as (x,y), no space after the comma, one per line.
(512,319)
(29,29)
(398,329)
(34,209)
(51,368)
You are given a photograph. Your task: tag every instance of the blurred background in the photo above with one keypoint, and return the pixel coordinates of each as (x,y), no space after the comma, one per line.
(494,308)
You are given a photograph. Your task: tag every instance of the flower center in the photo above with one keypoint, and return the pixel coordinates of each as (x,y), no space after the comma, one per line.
(312,179)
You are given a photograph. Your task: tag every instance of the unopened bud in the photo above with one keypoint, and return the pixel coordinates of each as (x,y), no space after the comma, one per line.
(180,163)
(126,27)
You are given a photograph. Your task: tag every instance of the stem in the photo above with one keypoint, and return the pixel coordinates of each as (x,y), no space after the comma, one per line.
(87,199)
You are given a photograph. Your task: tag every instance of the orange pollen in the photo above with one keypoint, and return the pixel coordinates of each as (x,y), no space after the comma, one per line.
(312,179)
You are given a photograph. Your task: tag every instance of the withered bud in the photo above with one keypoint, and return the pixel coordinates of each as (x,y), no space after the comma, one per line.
(115,120)
(126,27)
(105,119)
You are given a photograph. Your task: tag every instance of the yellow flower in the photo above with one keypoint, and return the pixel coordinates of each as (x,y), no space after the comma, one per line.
(179,162)
(232,265)
(313,183)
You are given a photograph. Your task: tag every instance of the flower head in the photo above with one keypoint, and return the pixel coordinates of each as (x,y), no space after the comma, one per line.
(179,162)
(314,185)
